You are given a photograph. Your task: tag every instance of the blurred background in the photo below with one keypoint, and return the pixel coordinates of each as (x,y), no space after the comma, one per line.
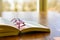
(54,5)
(27,10)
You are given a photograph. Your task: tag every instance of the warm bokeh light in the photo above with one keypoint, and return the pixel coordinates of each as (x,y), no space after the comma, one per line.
(19,5)
(54,5)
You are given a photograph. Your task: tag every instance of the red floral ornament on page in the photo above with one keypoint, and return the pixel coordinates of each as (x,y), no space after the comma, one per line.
(19,23)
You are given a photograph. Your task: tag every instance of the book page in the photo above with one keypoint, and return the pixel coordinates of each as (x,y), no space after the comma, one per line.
(7,23)
(31,24)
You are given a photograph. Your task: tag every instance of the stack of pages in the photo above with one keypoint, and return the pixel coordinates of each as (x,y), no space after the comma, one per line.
(8,29)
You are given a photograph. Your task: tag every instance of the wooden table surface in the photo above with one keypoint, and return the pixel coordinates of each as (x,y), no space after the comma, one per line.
(36,36)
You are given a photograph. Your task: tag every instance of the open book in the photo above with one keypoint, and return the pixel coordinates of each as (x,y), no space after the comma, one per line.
(8,29)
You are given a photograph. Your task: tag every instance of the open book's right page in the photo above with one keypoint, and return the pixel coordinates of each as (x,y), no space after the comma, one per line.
(31,24)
